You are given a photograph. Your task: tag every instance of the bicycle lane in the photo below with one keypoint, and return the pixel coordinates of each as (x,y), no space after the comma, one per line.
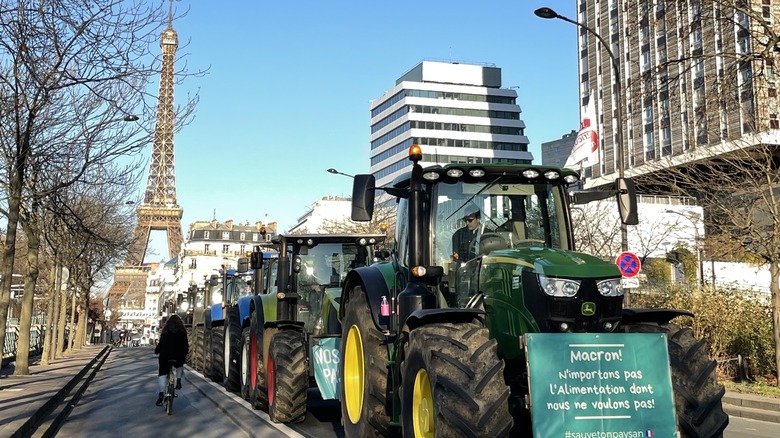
(121,401)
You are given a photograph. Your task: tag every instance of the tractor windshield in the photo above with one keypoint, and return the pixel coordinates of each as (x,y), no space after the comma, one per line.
(322,267)
(472,219)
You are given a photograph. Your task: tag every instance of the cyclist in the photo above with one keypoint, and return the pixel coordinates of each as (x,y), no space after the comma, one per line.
(172,345)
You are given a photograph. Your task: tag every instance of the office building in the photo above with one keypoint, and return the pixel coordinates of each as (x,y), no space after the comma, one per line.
(457,113)
(696,77)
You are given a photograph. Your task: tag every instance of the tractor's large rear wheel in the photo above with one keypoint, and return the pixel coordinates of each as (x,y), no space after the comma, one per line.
(245,363)
(217,354)
(258,397)
(452,383)
(197,357)
(697,394)
(208,353)
(232,350)
(363,371)
(288,377)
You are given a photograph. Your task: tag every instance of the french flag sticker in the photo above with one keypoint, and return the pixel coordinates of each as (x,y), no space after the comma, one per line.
(649,433)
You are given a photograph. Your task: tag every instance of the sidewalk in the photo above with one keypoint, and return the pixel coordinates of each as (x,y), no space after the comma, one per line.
(22,396)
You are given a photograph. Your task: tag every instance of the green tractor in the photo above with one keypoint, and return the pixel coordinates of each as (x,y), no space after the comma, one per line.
(294,332)
(484,263)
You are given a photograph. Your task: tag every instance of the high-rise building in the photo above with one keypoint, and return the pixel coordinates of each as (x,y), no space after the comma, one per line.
(695,76)
(457,113)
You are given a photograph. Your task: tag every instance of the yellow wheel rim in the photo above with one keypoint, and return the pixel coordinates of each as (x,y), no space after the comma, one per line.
(353,374)
(422,405)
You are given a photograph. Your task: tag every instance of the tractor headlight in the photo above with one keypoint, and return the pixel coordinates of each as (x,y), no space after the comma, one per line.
(559,287)
(610,288)
(184,306)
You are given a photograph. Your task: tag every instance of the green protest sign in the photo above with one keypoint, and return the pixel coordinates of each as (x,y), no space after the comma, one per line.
(597,385)
(325,354)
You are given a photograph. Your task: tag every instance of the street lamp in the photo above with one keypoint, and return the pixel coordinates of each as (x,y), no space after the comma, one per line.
(336,172)
(618,92)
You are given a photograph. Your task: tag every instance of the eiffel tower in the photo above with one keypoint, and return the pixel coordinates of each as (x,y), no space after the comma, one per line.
(159,210)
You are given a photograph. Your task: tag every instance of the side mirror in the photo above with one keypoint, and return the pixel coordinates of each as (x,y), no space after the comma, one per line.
(626,197)
(243,264)
(256,260)
(363,197)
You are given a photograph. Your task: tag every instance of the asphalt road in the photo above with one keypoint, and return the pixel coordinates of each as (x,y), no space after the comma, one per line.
(120,402)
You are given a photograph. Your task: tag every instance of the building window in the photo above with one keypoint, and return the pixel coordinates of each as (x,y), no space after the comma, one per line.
(225,248)
(194,264)
(205,234)
(242,236)
(226,235)
(254,237)
(242,248)
(206,248)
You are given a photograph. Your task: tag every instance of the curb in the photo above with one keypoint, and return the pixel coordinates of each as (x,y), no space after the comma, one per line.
(752,406)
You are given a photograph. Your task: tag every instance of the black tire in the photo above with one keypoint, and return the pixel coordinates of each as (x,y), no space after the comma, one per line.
(217,354)
(697,394)
(454,370)
(366,382)
(288,377)
(190,358)
(169,404)
(232,351)
(208,353)
(197,348)
(245,363)
(258,398)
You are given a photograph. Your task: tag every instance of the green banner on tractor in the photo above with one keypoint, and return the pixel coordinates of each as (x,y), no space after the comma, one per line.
(325,354)
(600,385)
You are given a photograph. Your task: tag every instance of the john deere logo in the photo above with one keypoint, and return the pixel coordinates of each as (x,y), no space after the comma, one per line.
(588,308)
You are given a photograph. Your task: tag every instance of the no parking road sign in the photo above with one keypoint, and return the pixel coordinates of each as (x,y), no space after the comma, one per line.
(629,264)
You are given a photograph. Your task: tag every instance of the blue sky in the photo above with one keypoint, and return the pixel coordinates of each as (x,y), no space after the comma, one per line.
(290,82)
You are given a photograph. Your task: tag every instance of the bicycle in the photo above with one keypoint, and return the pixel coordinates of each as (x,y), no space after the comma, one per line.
(170,390)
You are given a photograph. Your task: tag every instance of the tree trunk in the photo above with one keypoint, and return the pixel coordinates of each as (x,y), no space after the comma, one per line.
(63,298)
(22,367)
(774,287)
(50,312)
(14,201)
(53,315)
(71,325)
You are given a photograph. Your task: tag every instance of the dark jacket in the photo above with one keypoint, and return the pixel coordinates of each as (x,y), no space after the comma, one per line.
(173,345)
(464,243)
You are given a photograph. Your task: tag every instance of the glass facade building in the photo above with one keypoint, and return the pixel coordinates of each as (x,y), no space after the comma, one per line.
(457,113)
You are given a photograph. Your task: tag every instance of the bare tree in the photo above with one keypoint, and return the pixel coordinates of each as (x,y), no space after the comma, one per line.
(73,78)
(384,217)
(725,152)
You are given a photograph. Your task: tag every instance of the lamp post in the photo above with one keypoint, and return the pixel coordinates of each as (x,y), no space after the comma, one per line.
(336,172)
(548,13)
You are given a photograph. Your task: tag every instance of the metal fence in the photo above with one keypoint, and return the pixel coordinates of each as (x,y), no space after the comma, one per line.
(12,335)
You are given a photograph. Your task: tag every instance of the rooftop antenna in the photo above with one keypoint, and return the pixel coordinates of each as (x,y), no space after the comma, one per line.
(170,14)
(214,216)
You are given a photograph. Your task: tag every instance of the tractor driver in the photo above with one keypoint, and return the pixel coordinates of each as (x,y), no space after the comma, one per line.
(465,241)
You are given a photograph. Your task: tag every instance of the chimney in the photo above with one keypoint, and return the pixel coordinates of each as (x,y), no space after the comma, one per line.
(214,223)
(229,224)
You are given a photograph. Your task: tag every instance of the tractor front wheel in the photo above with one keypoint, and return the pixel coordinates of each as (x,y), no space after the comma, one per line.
(452,383)
(245,363)
(288,377)
(363,371)
(258,397)
(697,394)
(232,351)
